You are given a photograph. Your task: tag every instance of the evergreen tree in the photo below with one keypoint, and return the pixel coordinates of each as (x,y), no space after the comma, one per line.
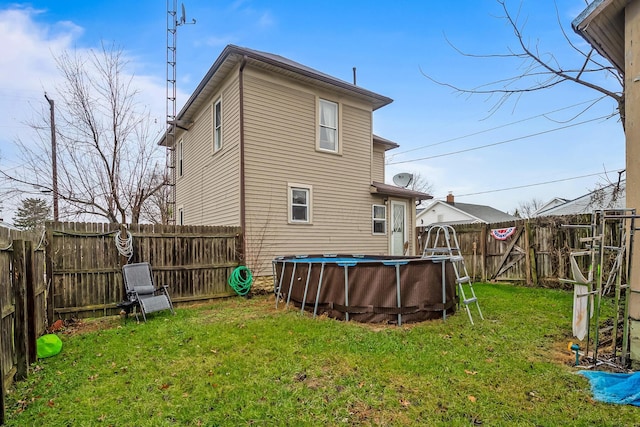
(32,214)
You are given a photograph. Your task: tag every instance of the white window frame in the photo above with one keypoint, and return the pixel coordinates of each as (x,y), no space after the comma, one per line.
(180,157)
(217,126)
(337,129)
(378,220)
(180,217)
(290,205)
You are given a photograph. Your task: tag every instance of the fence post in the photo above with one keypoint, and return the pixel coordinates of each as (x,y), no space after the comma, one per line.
(30,307)
(527,255)
(20,321)
(240,255)
(49,274)
(532,254)
(2,390)
(483,250)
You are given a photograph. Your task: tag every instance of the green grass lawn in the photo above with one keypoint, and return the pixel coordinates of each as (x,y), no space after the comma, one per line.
(241,362)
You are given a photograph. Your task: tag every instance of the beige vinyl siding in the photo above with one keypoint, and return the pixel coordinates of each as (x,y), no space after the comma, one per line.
(209,190)
(280,148)
(377,165)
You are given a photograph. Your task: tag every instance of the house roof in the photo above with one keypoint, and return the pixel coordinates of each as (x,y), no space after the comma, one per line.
(388,145)
(233,56)
(484,212)
(556,201)
(601,24)
(476,213)
(392,190)
(612,196)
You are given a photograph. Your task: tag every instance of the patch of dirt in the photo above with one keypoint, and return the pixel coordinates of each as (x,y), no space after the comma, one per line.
(561,354)
(82,326)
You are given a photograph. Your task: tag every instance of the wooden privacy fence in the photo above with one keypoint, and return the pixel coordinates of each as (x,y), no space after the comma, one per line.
(22,305)
(84,264)
(537,253)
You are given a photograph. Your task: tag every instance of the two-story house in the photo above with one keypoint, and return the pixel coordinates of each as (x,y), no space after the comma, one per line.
(288,153)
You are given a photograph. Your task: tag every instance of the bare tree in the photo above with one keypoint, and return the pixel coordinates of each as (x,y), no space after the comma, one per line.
(527,208)
(420,183)
(607,194)
(542,70)
(108,162)
(157,209)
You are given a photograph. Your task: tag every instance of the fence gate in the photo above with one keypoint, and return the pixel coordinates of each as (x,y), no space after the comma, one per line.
(507,254)
(22,306)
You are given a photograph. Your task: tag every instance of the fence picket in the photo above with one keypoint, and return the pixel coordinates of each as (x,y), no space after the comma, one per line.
(86,274)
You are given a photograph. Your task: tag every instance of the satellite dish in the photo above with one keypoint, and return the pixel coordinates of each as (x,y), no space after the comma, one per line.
(183,18)
(403,179)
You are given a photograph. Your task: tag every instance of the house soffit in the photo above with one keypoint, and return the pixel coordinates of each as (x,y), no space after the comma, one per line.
(392,190)
(234,55)
(601,24)
(208,90)
(385,143)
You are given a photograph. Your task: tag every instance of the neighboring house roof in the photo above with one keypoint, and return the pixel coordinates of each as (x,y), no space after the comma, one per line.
(392,190)
(485,213)
(601,24)
(233,55)
(556,201)
(476,213)
(7,225)
(612,196)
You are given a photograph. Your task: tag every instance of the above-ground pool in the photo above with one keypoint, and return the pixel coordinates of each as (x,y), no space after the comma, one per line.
(367,288)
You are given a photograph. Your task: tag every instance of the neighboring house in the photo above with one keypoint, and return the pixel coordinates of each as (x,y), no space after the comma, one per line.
(8,226)
(556,201)
(451,212)
(287,153)
(609,197)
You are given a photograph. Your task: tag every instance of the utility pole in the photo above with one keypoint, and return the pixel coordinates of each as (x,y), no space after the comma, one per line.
(54,158)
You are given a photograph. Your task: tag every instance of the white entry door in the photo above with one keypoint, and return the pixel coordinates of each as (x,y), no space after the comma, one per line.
(398,227)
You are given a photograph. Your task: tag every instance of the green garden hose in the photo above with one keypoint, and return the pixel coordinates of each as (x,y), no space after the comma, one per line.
(240,280)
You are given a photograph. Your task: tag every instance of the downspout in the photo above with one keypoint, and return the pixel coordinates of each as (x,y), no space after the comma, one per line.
(243,222)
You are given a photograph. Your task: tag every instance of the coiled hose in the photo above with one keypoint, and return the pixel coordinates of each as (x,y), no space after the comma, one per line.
(240,280)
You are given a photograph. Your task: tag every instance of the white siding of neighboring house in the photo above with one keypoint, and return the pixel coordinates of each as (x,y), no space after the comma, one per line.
(209,190)
(441,212)
(280,148)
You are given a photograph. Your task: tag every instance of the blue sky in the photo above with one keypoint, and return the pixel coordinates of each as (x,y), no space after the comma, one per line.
(392,44)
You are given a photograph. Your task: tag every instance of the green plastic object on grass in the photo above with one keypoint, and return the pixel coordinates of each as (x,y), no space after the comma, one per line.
(48,345)
(240,280)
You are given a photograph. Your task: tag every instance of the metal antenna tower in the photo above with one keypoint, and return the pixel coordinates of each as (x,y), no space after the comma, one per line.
(172,32)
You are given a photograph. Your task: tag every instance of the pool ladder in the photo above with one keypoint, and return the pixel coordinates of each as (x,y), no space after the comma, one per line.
(442,249)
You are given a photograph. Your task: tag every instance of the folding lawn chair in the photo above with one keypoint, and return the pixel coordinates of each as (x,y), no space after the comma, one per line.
(142,291)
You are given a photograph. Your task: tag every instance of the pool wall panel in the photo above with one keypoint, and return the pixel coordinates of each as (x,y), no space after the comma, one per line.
(372,289)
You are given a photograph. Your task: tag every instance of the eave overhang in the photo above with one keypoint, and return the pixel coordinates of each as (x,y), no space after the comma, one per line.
(393,191)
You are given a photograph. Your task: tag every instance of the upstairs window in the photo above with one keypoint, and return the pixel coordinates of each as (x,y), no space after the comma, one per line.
(180,215)
(328,126)
(379,219)
(180,158)
(299,204)
(217,126)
